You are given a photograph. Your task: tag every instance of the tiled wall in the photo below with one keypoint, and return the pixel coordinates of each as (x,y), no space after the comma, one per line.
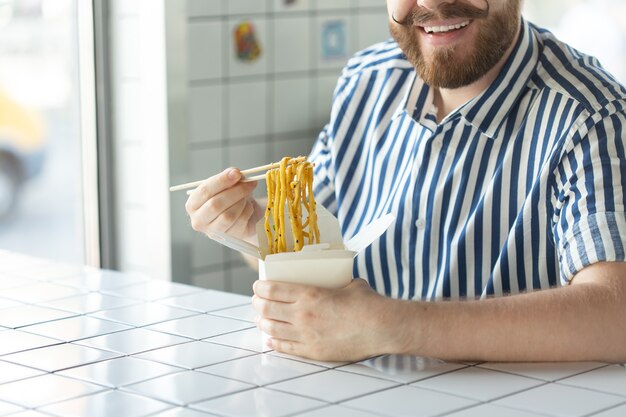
(249,112)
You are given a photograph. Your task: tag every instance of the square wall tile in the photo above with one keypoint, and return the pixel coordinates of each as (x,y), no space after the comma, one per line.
(369,3)
(324,89)
(258,402)
(333,41)
(292,44)
(294,146)
(214,280)
(246,7)
(205,51)
(201,8)
(371,28)
(241,280)
(292,104)
(332,4)
(248,45)
(248,155)
(206,113)
(409,401)
(248,109)
(282,6)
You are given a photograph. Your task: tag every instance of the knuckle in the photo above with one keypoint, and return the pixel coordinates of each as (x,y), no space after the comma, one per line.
(196,224)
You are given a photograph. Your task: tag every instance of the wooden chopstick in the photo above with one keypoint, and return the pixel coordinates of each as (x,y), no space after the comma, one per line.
(245,172)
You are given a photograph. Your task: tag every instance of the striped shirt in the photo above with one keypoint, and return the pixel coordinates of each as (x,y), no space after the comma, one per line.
(516,190)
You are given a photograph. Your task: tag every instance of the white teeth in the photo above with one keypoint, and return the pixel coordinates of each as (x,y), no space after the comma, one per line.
(439,29)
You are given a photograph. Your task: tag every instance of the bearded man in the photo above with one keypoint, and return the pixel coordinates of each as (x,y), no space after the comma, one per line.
(501,152)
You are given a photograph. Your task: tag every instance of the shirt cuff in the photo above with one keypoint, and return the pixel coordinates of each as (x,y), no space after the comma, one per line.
(599,237)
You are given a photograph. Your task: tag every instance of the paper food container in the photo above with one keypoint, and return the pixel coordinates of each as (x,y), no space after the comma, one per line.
(327,264)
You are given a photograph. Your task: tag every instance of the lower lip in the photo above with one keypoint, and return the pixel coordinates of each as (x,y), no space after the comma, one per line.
(443,38)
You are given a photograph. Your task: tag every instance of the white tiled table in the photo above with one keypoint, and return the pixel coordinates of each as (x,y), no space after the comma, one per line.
(77,341)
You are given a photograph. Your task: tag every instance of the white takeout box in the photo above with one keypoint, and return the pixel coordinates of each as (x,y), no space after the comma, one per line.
(327,264)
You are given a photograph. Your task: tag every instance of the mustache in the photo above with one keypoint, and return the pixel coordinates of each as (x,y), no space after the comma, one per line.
(420,15)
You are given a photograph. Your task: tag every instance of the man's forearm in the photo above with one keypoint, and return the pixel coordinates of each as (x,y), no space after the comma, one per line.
(578,322)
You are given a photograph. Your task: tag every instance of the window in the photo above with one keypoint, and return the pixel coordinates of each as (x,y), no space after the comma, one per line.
(41,144)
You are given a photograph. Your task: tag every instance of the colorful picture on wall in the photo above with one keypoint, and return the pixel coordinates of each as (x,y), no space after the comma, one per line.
(334,40)
(246,42)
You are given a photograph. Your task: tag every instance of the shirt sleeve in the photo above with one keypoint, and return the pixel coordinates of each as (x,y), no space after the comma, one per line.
(589,210)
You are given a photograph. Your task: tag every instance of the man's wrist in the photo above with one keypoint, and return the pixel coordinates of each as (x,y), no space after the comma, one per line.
(402,328)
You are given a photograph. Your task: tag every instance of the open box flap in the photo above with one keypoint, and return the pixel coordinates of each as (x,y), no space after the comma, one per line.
(237,244)
(370,233)
(330,234)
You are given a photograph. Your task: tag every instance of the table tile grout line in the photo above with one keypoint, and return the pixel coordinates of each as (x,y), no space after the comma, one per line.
(552,381)
(605,409)
(590,389)
(395,380)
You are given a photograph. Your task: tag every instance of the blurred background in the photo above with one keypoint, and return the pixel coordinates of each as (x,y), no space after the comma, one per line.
(185,89)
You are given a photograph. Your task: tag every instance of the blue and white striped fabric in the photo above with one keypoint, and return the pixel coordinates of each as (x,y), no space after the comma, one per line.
(516,190)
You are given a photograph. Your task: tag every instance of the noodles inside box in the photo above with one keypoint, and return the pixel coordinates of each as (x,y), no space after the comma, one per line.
(327,264)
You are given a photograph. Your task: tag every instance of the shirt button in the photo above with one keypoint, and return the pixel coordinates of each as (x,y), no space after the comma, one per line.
(420,223)
(437,144)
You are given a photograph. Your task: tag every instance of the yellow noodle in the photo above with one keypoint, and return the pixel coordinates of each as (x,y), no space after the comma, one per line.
(290,185)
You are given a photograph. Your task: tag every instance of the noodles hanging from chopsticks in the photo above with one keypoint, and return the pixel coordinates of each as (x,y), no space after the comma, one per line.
(290,187)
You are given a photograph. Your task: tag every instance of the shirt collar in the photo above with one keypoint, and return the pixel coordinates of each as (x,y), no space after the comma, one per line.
(489,110)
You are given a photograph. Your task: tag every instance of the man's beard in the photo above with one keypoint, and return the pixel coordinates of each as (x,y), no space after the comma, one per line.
(446,67)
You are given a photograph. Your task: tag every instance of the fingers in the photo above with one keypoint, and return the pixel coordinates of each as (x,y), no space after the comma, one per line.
(277,329)
(274,310)
(277,291)
(211,187)
(286,346)
(222,203)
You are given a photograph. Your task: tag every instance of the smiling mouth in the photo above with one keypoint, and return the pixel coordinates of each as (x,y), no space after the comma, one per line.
(445,29)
